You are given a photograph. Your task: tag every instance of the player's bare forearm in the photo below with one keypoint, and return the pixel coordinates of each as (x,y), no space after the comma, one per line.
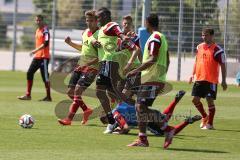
(224,74)
(42,46)
(135,54)
(75,45)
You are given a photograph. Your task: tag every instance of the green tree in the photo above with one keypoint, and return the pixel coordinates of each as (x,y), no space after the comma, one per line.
(71,13)
(45,7)
(233,26)
(206,15)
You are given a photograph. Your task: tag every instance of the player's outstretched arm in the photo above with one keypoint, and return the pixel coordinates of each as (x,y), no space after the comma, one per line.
(72,44)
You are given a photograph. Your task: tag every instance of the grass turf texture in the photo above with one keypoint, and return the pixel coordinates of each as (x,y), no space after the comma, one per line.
(48,140)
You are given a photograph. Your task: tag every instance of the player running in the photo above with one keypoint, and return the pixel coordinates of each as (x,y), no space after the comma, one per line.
(112,63)
(154,68)
(84,74)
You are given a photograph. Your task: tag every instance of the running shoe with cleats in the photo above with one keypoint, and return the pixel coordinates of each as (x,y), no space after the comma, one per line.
(46,99)
(139,143)
(193,119)
(204,122)
(179,95)
(208,127)
(109,129)
(86,115)
(168,138)
(25,97)
(64,122)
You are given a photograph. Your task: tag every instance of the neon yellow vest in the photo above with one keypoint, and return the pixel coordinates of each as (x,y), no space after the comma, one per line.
(136,62)
(88,51)
(157,72)
(107,51)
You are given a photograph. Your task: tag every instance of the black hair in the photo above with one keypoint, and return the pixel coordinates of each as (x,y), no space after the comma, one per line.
(105,11)
(153,20)
(208,30)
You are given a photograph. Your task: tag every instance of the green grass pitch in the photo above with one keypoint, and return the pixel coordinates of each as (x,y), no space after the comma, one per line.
(47,140)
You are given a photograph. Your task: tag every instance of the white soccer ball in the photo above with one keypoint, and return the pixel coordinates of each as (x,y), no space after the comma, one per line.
(26,121)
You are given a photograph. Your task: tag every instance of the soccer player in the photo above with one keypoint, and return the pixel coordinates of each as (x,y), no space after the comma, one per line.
(128,86)
(40,60)
(131,83)
(154,67)
(84,74)
(111,64)
(126,118)
(209,57)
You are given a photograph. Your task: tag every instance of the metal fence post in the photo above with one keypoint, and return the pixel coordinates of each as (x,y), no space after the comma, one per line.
(94,4)
(145,10)
(14,34)
(53,32)
(193,28)
(226,27)
(136,15)
(179,50)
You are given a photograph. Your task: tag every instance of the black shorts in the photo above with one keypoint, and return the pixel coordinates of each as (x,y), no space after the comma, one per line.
(81,78)
(204,89)
(147,94)
(133,83)
(108,74)
(155,129)
(104,80)
(36,64)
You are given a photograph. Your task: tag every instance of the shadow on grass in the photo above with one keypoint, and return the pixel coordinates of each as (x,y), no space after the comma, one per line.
(227,130)
(177,136)
(196,150)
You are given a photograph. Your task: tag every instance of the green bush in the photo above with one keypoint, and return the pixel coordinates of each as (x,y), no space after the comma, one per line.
(27,42)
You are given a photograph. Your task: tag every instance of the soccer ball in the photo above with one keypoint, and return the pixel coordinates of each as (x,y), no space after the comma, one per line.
(26,121)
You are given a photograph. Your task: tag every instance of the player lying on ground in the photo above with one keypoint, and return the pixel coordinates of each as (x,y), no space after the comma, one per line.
(126,118)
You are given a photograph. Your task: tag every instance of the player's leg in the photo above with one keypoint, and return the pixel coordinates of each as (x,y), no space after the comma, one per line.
(211,111)
(102,96)
(211,96)
(169,110)
(35,65)
(145,98)
(187,121)
(75,75)
(199,91)
(45,78)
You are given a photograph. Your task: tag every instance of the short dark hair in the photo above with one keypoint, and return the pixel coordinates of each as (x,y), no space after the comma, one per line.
(128,18)
(40,16)
(106,11)
(208,30)
(153,20)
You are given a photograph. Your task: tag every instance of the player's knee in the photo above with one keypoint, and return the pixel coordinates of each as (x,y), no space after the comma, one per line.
(29,75)
(70,92)
(100,94)
(195,101)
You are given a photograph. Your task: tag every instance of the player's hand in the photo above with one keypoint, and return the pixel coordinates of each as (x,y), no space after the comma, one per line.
(78,68)
(224,85)
(96,43)
(31,54)
(68,40)
(132,73)
(131,34)
(191,79)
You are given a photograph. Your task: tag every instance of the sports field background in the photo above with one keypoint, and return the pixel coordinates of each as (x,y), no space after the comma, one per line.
(48,140)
